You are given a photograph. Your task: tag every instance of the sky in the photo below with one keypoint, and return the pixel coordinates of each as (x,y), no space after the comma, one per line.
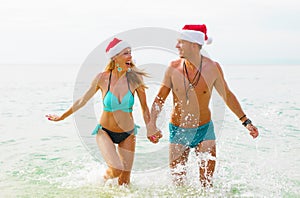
(66,31)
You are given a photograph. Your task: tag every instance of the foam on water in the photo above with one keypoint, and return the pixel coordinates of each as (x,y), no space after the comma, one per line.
(44,159)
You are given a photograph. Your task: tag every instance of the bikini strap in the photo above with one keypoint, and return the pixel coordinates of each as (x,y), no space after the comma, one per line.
(96,130)
(109,81)
(136,127)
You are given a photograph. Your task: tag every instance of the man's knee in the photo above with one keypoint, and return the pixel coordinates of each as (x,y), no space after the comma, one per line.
(207,146)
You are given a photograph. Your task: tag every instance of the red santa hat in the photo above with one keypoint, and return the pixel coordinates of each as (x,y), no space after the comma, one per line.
(195,34)
(115,47)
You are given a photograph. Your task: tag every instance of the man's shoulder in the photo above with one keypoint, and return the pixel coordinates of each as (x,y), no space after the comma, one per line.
(176,63)
(209,60)
(211,63)
(174,66)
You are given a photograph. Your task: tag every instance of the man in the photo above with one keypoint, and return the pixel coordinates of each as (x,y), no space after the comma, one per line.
(191,80)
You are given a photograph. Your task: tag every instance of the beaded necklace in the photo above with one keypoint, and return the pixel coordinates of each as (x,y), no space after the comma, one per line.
(192,83)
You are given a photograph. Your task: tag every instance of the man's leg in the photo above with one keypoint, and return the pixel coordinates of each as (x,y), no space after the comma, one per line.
(178,156)
(206,153)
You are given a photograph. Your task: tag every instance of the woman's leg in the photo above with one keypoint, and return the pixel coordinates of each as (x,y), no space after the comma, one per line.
(109,154)
(126,151)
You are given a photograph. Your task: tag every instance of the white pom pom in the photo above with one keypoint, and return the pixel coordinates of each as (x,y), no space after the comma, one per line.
(209,40)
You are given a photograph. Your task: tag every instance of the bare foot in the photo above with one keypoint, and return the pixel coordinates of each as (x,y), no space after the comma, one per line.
(110,174)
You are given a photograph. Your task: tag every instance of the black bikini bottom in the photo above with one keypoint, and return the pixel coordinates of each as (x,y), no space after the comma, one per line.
(117,137)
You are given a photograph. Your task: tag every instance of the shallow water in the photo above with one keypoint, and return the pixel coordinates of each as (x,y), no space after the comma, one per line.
(45,159)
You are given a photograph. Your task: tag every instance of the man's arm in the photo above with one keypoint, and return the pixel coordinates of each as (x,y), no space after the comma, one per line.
(158,105)
(232,102)
(159,101)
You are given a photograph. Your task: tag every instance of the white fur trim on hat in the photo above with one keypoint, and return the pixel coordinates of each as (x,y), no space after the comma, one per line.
(117,49)
(192,36)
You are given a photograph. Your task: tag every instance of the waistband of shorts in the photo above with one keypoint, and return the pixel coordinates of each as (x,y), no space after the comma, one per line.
(204,125)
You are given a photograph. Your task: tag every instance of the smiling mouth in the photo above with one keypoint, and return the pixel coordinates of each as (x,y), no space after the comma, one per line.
(128,63)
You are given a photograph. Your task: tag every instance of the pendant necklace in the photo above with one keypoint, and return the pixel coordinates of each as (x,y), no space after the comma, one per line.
(191,83)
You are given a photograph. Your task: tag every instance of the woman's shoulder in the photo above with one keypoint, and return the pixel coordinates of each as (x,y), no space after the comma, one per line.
(103,74)
(101,78)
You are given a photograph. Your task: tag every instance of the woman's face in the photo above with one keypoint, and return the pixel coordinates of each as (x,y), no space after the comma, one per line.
(124,57)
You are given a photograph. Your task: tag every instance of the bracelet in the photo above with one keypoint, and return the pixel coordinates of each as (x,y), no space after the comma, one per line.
(242,117)
(248,121)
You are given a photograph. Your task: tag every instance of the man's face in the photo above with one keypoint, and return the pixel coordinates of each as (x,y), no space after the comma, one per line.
(183,48)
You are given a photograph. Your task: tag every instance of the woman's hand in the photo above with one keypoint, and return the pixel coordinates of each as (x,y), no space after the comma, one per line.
(155,137)
(53,117)
(153,133)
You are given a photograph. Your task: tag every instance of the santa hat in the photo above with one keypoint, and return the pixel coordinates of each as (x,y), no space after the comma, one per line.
(115,47)
(195,34)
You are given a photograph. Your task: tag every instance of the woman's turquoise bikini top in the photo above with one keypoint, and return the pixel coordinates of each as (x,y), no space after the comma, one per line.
(111,102)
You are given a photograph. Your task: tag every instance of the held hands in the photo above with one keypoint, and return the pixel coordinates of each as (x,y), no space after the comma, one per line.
(155,137)
(153,133)
(53,117)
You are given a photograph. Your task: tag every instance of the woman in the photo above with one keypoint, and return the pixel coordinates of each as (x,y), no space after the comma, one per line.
(118,84)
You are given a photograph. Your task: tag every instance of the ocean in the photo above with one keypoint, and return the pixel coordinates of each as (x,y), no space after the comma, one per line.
(46,159)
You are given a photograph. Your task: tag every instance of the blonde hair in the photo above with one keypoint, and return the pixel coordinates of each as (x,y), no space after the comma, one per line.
(134,75)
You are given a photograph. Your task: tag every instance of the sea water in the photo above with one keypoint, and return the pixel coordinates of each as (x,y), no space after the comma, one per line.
(52,159)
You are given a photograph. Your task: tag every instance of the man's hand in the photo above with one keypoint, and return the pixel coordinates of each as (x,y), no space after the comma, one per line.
(155,137)
(253,130)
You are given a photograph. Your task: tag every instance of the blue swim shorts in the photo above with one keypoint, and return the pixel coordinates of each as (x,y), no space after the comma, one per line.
(191,137)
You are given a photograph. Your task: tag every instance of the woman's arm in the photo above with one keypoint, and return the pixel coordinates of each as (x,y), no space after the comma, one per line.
(80,102)
(146,115)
